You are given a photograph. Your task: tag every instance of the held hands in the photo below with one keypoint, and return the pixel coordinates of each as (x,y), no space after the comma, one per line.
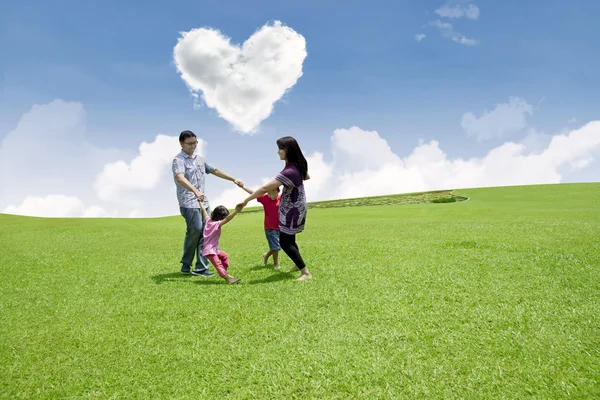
(239,183)
(241,205)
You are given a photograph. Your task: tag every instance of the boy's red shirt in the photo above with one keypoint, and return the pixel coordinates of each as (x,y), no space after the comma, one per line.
(271,211)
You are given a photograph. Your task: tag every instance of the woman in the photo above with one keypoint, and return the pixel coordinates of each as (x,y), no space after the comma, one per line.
(292,208)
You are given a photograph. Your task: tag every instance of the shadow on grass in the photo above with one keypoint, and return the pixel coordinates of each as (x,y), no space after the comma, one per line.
(260,267)
(276,276)
(215,280)
(270,279)
(171,277)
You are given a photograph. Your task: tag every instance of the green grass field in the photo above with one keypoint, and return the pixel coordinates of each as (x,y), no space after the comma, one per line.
(494,297)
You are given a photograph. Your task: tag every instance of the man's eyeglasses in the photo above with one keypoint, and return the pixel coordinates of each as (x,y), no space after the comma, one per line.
(191,143)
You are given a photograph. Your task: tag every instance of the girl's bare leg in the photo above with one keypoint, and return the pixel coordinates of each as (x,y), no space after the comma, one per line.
(230,279)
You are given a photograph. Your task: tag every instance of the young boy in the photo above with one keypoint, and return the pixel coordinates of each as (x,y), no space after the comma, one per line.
(270,202)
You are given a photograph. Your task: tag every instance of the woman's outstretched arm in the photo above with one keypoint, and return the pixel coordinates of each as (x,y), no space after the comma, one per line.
(260,191)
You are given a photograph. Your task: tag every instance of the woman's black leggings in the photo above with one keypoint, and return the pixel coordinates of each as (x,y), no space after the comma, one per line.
(289,246)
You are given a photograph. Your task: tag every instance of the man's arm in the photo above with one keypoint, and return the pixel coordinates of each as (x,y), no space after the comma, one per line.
(227,177)
(250,191)
(182,180)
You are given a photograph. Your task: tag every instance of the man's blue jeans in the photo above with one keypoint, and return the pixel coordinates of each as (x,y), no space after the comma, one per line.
(194,239)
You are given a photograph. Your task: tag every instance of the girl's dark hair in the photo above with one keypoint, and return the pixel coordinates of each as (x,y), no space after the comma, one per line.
(219,213)
(293,153)
(185,135)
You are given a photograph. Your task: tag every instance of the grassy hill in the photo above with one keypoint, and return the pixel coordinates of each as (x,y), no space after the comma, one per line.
(494,297)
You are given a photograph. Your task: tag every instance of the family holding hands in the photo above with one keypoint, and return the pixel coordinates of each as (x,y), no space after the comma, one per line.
(285,214)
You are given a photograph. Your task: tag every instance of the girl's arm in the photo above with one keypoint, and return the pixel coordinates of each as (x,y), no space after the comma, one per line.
(204,214)
(260,191)
(230,216)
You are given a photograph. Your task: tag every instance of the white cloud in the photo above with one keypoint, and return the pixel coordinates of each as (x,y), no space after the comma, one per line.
(136,214)
(363,164)
(48,153)
(462,39)
(355,148)
(505,119)
(71,177)
(144,172)
(581,163)
(241,83)
(360,163)
(575,147)
(446,30)
(536,141)
(232,196)
(444,27)
(428,167)
(420,36)
(320,173)
(452,10)
(55,206)
(96,212)
(470,11)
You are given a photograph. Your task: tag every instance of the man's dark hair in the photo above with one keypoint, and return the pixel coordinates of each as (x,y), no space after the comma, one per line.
(185,135)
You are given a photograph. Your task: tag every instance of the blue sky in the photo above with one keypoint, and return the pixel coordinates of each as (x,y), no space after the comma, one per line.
(364,68)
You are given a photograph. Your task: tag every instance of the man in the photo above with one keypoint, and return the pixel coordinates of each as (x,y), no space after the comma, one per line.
(189,171)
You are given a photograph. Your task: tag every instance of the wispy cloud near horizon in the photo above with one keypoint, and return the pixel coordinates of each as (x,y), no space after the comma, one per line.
(141,184)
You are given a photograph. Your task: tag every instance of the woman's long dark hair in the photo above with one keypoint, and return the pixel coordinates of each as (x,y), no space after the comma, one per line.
(293,154)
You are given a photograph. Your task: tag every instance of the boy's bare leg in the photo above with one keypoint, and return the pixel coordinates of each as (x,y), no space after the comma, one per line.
(266,256)
(276,259)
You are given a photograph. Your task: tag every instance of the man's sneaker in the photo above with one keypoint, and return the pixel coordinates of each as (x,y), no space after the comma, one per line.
(202,273)
(185,271)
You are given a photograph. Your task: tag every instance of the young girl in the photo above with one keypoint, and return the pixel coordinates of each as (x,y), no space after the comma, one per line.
(270,202)
(212,232)
(292,208)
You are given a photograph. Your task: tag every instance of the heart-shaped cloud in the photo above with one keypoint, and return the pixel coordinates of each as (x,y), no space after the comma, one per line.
(241,83)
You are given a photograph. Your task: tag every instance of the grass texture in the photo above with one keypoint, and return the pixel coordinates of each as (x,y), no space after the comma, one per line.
(494,297)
